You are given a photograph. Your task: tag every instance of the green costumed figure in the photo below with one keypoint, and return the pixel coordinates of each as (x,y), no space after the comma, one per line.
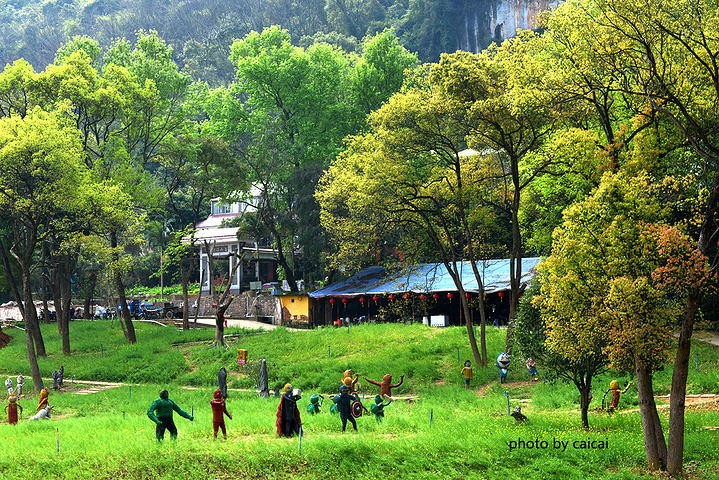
(160,412)
(315,404)
(377,407)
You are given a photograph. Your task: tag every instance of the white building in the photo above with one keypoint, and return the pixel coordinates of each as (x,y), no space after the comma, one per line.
(260,262)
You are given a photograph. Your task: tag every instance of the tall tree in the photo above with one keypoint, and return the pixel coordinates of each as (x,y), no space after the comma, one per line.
(409,174)
(500,97)
(296,113)
(41,165)
(666,55)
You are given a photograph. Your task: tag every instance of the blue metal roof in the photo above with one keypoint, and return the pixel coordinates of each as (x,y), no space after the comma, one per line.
(427,277)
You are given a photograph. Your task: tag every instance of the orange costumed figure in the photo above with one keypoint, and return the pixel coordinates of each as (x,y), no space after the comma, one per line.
(385,386)
(219,410)
(614,387)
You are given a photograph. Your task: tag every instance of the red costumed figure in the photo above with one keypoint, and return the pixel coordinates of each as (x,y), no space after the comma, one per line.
(219,410)
(11,410)
(288,415)
(43,399)
(614,387)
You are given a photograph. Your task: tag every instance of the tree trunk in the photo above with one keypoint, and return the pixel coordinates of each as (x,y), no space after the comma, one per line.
(478,359)
(120,286)
(30,317)
(88,298)
(34,368)
(675,450)
(648,410)
(584,386)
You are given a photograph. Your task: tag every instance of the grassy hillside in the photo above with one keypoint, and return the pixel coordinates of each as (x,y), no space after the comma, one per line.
(443,431)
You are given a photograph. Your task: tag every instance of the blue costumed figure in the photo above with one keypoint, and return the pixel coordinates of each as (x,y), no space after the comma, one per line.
(344,404)
(503,365)
(377,407)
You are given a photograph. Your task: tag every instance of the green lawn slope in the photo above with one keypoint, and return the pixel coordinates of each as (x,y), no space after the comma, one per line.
(436,429)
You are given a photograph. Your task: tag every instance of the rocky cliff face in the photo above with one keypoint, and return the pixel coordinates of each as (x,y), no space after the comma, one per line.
(485,21)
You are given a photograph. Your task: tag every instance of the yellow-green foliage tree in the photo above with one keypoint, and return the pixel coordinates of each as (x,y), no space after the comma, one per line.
(600,259)
(42,184)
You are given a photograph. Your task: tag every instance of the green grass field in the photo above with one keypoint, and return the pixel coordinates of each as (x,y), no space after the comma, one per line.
(439,430)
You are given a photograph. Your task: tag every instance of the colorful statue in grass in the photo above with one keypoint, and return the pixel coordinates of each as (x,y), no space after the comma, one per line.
(8,385)
(44,399)
(344,405)
(288,415)
(614,387)
(377,407)
(519,417)
(219,410)
(160,412)
(55,380)
(20,384)
(386,386)
(467,372)
(349,381)
(222,382)
(315,404)
(503,365)
(11,409)
(532,369)
(43,413)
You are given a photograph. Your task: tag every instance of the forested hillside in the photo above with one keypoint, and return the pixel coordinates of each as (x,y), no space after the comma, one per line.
(201,31)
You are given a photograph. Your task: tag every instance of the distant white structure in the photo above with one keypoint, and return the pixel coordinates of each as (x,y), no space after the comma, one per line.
(260,263)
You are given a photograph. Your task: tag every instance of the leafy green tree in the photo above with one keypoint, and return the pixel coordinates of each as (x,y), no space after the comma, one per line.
(42,171)
(664,55)
(408,175)
(379,72)
(597,299)
(192,172)
(296,113)
(498,95)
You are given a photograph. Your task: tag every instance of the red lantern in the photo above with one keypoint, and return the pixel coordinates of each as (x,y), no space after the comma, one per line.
(344,300)
(391,298)
(422,297)
(501,296)
(375,298)
(332,301)
(435,296)
(467,295)
(449,295)
(362,300)
(406,296)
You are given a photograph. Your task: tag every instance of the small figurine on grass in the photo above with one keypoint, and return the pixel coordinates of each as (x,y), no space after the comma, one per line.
(44,399)
(20,384)
(532,369)
(11,409)
(349,381)
(467,372)
(219,410)
(8,385)
(55,380)
(288,415)
(377,407)
(315,404)
(160,412)
(503,365)
(386,386)
(519,417)
(344,405)
(43,413)
(222,381)
(614,387)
